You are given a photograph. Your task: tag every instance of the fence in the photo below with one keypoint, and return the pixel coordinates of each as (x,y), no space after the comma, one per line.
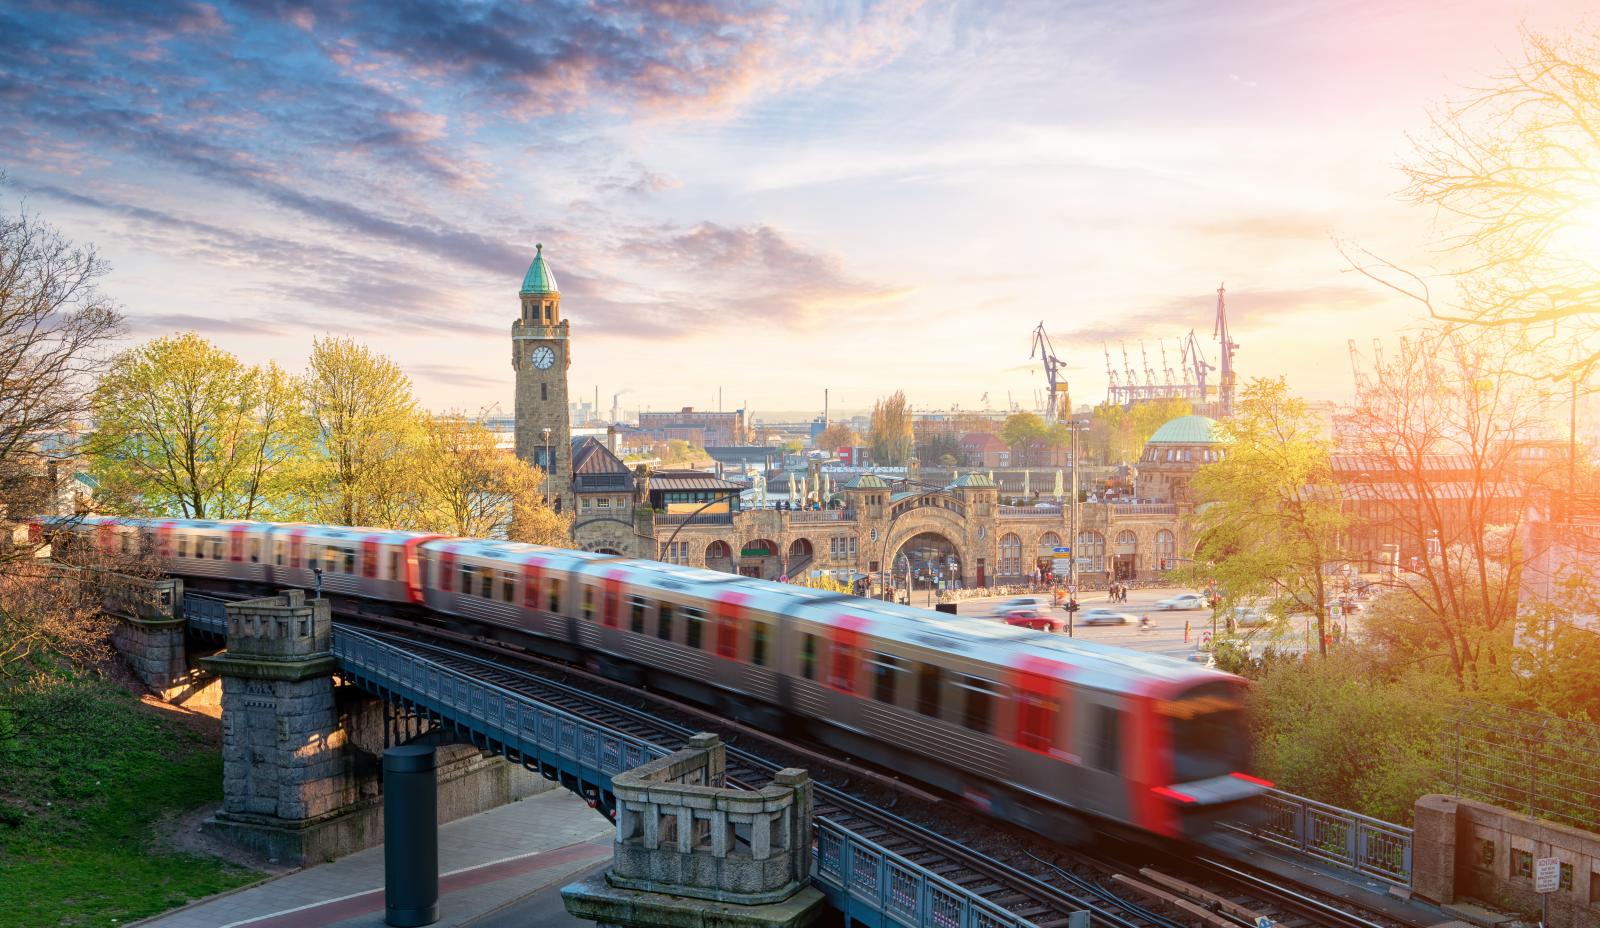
(1337,836)
(1530,762)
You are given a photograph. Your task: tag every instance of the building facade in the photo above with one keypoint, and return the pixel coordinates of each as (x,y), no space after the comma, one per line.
(698,427)
(540,356)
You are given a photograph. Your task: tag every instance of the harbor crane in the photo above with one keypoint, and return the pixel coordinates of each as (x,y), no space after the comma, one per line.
(1227,347)
(1057,393)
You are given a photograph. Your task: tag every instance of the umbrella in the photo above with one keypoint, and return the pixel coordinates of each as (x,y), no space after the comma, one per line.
(1058,484)
(1025,478)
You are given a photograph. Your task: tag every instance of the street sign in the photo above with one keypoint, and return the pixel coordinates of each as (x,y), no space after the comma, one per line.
(1547,875)
(1061,551)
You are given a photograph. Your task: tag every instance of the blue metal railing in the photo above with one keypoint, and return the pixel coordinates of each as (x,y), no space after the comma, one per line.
(1337,836)
(206,614)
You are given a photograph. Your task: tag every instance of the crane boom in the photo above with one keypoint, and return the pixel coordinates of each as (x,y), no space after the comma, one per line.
(1056,386)
(1227,347)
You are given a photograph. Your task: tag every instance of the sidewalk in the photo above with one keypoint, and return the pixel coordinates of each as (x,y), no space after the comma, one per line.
(487,863)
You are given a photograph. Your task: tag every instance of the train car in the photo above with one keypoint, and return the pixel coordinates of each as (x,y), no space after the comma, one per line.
(1057,735)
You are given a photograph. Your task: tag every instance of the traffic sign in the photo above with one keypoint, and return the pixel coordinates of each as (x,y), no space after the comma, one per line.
(1061,550)
(1547,875)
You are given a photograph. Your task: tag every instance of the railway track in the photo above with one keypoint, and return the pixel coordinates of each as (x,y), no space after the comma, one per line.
(1031,879)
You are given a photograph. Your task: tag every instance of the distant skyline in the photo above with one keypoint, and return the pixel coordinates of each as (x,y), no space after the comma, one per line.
(858,196)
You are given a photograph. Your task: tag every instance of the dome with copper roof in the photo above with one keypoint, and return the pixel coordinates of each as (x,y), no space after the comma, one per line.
(539,278)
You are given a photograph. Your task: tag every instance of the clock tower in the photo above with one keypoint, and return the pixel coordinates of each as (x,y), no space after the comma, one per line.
(539,355)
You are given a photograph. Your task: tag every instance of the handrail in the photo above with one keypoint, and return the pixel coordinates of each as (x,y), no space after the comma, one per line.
(1337,836)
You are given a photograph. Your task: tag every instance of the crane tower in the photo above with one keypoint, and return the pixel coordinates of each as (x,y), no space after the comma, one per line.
(1056,394)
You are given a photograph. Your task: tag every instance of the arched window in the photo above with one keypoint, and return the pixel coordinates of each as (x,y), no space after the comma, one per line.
(1127,542)
(1091,551)
(1166,550)
(1010,555)
(1048,542)
(718,550)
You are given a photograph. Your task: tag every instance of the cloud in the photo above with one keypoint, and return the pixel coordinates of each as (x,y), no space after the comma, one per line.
(458,375)
(167,323)
(1255,308)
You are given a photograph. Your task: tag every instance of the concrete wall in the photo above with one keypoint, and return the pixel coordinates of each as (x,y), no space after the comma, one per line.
(1466,850)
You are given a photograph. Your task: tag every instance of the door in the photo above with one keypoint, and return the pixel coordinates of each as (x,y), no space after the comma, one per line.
(982,579)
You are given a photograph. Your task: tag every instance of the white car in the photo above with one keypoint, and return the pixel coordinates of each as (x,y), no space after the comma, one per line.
(1183,601)
(1103,617)
(1018,602)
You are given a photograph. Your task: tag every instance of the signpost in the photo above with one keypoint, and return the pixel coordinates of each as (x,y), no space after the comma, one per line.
(1546,880)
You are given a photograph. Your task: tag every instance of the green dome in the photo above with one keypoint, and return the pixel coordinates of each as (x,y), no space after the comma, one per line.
(1187,430)
(975,481)
(867,482)
(539,279)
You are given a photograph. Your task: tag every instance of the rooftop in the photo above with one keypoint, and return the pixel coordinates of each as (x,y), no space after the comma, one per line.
(539,279)
(1188,430)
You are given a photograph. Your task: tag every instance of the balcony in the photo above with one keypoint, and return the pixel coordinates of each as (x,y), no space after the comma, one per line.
(822,515)
(1030,512)
(1145,509)
(704,518)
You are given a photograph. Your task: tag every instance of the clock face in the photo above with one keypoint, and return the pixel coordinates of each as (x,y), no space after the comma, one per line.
(542,357)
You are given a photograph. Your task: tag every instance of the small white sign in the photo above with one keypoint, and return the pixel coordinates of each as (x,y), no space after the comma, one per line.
(1205,641)
(1547,875)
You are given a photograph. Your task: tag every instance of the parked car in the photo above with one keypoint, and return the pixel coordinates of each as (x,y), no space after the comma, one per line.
(1018,602)
(1103,617)
(1250,616)
(1183,601)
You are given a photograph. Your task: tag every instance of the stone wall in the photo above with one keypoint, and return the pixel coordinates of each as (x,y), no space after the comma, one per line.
(1471,850)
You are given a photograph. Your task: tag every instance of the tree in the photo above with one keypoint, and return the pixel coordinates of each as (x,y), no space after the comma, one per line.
(186,429)
(1441,425)
(54,326)
(939,446)
(1273,520)
(890,437)
(366,433)
(836,436)
(1022,431)
(471,487)
(1516,166)
(1117,434)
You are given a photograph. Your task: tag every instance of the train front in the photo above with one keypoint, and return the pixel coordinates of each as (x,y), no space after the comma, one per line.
(1206,780)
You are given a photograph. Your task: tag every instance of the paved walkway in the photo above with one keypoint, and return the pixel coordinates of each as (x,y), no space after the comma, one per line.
(488,863)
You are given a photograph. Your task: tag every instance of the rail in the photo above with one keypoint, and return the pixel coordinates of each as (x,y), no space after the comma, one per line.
(1145,509)
(1029,512)
(822,515)
(859,876)
(854,871)
(704,518)
(1337,836)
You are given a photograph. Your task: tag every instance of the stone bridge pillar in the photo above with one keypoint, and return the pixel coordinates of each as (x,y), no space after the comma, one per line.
(288,784)
(150,629)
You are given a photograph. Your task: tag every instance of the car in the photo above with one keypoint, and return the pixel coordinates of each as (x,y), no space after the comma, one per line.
(1250,616)
(1103,617)
(1183,601)
(1203,658)
(1030,618)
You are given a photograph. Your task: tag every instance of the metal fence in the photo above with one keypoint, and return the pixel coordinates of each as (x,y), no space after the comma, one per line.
(1541,765)
(1337,836)
(863,879)
(206,614)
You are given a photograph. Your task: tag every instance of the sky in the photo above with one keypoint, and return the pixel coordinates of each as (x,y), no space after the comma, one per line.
(766,200)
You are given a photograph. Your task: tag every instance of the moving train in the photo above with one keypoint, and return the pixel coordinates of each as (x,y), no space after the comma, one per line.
(1058,735)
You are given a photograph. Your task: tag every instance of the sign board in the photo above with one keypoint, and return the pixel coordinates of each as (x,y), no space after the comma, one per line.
(1205,641)
(1333,609)
(1547,875)
(1061,551)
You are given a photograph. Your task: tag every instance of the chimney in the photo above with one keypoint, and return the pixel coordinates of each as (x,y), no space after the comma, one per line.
(612,439)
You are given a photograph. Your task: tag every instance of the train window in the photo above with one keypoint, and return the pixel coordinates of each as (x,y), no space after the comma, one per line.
(555,595)
(977,704)
(929,683)
(694,628)
(508,587)
(183,545)
(664,621)
(349,560)
(636,615)
(127,543)
(808,656)
(394,565)
(885,673)
(486,584)
(842,671)
(255,550)
(1108,738)
(466,579)
(216,549)
(588,603)
(1036,719)
(1209,734)
(758,644)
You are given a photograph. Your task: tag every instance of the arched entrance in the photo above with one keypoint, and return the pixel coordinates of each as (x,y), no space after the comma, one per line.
(928,561)
(760,558)
(1044,561)
(1127,564)
(719,556)
(799,559)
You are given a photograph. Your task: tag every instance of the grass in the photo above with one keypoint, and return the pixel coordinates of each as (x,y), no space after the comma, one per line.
(85,773)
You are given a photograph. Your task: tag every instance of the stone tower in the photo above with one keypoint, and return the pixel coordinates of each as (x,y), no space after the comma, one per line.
(539,355)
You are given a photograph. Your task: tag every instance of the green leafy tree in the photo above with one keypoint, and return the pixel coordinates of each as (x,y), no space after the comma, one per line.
(937,447)
(890,437)
(1023,432)
(366,436)
(836,436)
(472,488)
(1117,434)
(1273,519)
(187,429)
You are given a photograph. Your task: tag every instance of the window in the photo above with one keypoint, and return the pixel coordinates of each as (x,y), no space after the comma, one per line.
(349,560)
(1486,854)
(664,621)
(977,704)
(1166,550)
(636,615)
(466,579)
(544,391)
(277,557)
(1108,738)
(694,629)
(555,595)
(394,564)
(183,545)
(216,549)
(677,553)
(758,644)
(1522,863)
(588,603)
(1091,553)
(508,587)
(486,584)
(1010,555)
(603,502)
(1566,878)
(885,671)
(928,685)
(808,656)
(255,550)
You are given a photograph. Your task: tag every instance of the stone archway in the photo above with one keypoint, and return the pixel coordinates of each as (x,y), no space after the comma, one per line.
(799,560)
(928,561)
(943,520)
(760,558)
(719,556)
